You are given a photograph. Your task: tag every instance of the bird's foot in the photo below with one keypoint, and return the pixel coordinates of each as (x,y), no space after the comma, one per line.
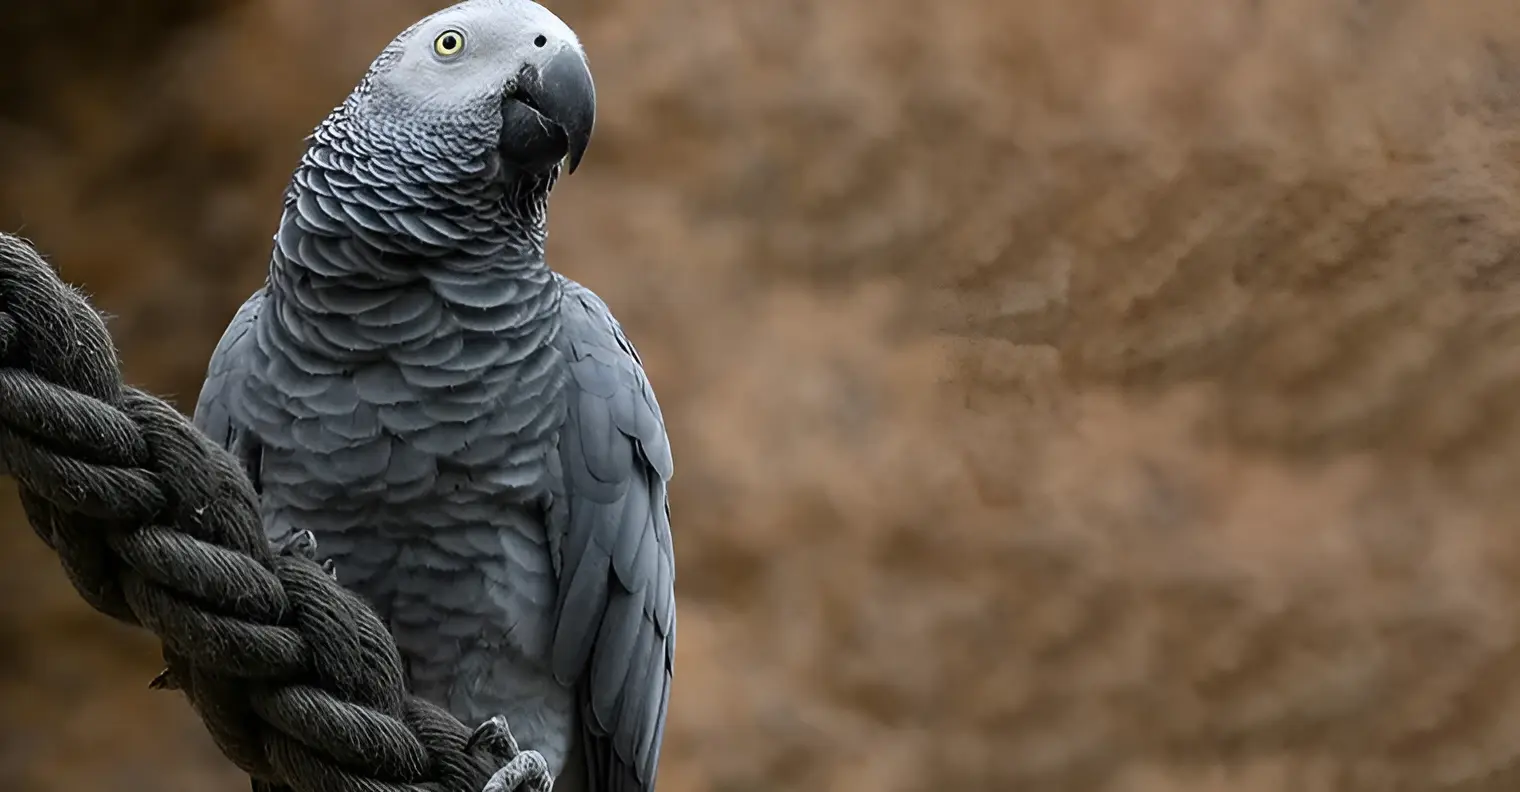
(525,771)
(298,543)
(304,545)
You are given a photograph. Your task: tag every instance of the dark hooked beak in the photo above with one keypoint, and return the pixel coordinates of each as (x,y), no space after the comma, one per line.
(561,93)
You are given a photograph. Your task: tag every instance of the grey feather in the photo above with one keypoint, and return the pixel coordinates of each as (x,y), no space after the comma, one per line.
(218,401)
(616,629)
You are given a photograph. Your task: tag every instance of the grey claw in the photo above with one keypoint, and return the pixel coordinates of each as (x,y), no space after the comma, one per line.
(164,681)
(494,736)
(300,543)
(525,770)
(303,544)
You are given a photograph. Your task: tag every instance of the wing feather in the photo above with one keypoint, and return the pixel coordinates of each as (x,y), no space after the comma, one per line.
(217,406)
(615,635)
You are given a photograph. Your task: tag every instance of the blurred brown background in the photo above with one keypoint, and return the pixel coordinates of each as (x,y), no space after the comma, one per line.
(1067,394)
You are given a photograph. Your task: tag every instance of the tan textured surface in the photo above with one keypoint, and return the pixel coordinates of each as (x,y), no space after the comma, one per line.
(1067,394)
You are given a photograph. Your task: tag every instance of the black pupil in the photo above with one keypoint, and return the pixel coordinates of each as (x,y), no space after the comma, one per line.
(449,42)
(540,41)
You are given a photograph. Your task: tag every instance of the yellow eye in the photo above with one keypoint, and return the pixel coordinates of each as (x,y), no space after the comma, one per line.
(448,43)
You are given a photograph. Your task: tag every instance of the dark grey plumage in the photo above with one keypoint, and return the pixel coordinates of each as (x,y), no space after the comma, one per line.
(470,436)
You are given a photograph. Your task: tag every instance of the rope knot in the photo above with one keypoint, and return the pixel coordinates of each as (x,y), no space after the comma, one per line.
(297,680)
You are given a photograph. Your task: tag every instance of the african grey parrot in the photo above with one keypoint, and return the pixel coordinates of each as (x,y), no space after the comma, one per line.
(468,435)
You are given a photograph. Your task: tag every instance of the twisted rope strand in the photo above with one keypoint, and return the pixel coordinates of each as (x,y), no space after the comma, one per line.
(295,677)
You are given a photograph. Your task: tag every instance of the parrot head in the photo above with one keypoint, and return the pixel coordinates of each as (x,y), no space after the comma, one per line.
(507,74)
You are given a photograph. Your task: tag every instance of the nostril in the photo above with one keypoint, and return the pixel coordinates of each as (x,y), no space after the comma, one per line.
(540,41)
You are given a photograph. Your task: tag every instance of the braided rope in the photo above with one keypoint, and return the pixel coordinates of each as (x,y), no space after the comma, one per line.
(294,676)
